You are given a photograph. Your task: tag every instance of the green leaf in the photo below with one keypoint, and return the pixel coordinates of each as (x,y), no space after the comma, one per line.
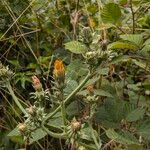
(142,64)
(123,137)
(102,93)
(14,132)
(73,109)
(120,58)
(103,71)
(111,13)
(76,47)
(133,38)
(122,45)
(135,115)
(14,62)
(37,135)
(144,130)
(70,86)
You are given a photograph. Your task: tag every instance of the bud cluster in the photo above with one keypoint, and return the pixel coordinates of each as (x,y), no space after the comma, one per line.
(5,73)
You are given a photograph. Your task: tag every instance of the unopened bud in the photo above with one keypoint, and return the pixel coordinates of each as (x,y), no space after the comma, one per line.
(31,111)
(22,127)
(36,83)
(59,70)
(90,89)
(75,125)
(81,148)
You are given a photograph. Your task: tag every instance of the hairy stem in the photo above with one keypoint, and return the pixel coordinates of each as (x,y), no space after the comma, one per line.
(98,145)
(66,101)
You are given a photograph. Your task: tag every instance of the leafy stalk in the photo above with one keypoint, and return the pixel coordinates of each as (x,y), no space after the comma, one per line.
(94,137)
(66,101)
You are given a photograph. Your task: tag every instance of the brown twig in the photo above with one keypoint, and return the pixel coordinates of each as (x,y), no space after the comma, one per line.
(133,17)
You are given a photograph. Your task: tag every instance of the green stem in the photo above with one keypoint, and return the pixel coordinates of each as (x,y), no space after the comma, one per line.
(9,87)
(66,101)
(63,113)
(55,135)
(94,137)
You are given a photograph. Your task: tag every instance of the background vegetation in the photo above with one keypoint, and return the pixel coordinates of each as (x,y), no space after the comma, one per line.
(109,107)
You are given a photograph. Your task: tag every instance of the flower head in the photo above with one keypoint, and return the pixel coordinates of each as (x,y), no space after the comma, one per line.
(90,89)
(22,127)
(75,125)
(59,70)
(36,83)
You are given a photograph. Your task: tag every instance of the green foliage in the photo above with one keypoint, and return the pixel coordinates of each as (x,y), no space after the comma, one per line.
(76,47)
(123,45)
(97,96)
(111,13)
(124,137)
(135,115)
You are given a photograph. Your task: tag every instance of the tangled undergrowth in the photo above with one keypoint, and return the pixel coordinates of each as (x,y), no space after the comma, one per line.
(75,75)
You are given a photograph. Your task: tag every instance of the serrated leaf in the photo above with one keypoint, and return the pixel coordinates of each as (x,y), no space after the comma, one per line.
(135,115)
(76,47)
(37,135)
(144,130)
(133,38)
(102,93)
(142,64)
(122,45)
(103,71)
(120,58)
(73,109)
(123,137)
(111,13)
(14,132)
(70,86)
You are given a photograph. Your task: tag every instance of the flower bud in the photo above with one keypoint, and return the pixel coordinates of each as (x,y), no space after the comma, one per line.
(59,70)
(31,111)
(75,125)
(81,148)
(90,89)
(36,83)
(22,127)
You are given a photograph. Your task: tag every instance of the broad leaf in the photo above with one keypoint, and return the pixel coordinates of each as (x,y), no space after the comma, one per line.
(122,45)
(37,135)
(144,130)
(135,115)
(111,13)
(102,93)
(123,137)
(142,64)
(14,132)
(76,47)
(133,38)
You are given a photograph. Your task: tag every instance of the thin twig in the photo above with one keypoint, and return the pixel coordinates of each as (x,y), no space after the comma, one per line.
(133,17)
(17,19)
(20,35)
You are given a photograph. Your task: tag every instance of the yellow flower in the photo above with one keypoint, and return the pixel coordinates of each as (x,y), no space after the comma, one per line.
(59,70)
